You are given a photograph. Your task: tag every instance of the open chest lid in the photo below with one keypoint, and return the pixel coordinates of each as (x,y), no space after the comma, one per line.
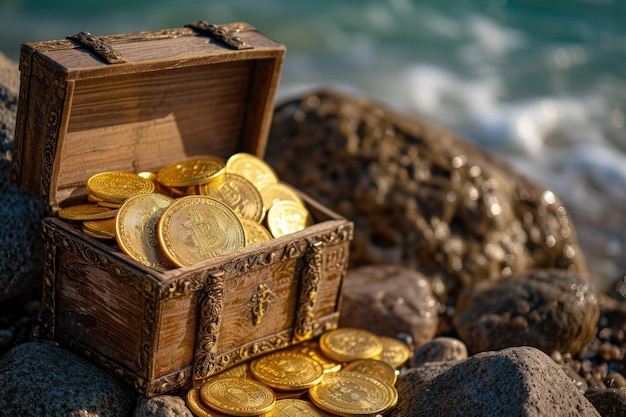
(137,102)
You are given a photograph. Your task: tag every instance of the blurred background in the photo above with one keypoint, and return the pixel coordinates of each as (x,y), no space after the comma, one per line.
(541,83)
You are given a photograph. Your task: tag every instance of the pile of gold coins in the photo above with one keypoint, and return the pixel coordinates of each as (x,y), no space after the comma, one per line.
(347,372)
(191,210)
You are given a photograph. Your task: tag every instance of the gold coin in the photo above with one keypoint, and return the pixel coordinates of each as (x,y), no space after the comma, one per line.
(197,228)
(352,393)
(277,191)
(136,228)
(237,396)
(376,368)
(251,167)
(93,199)
(286,217)
(296,407)
(284,395)
(190,172)
(242,371)
(237,193)
(196,405)
(254,232)
(347,344)
(395,352)
(86,211)
(116,186)
(101,229)
(286,370)
(312,349)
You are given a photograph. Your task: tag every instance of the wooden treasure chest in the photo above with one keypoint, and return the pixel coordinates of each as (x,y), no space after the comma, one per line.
(138,102)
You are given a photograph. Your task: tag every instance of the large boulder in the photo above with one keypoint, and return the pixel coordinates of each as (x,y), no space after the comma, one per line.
(419,195)
(521,381)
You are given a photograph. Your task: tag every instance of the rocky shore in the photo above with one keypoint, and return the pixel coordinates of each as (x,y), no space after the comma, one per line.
(476,265)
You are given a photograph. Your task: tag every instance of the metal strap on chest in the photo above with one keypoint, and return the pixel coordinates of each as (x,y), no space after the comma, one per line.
(225,34)
(99,47)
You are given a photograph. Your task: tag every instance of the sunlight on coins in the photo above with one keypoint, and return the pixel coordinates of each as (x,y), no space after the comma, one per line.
(100,229)
(361,387)
(155,222)
(287,370)
(190,172)
(353,393)
(286,217)
(237,396)
(136,228)
(347,344)
(254,169)
(196,228)
(237,193)
(115,187)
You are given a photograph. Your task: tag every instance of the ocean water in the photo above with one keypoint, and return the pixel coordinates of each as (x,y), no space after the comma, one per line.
(541,83)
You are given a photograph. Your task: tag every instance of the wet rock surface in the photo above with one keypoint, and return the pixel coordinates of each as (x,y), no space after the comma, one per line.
(520,381)
(419,195)
(388,300)
(549,309)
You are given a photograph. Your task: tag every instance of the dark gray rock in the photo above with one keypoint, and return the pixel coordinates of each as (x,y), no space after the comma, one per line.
(162,406)
(521,381)
(549,309)
(419,195)
(21,245)
(41,379)
(610,402)
(440,349)
(389,299)
(423,372)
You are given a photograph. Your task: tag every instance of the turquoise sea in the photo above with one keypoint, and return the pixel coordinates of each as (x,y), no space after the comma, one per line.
(541,83)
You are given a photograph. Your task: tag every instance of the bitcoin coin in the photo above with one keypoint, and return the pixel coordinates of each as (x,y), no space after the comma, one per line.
(311,348)
(237,193)
(286,370)
(237,396)
(376,368)
(101,229)
(136,228)
(277,191)
(395,352)
(254,232)
(86,211)
(190,172)
(286,217)
(251,167)
(296,407)
(352,393)
(196,228)
(347,344)
(115,187)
